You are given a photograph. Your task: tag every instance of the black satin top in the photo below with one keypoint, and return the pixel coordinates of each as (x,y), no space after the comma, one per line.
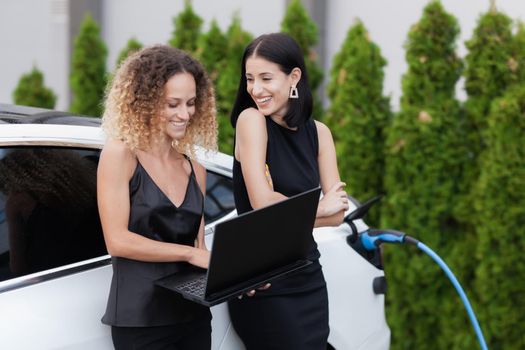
(134,300)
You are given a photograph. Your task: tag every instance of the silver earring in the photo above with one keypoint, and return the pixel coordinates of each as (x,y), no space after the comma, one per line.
(293,92)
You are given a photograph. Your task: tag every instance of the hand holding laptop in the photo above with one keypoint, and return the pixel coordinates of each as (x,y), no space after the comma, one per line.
(251,293)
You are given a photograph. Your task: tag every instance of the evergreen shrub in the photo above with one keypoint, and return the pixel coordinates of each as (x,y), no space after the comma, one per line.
(227,82)
(423,162)
(88,70)
(31,91)
(358,115)
(500,220)
(187,29)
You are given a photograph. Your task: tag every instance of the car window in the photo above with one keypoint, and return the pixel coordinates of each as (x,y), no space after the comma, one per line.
(219,197)
(48,206)
(48,210)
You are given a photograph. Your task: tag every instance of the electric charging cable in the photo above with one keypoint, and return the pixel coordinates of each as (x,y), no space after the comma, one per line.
(371,239)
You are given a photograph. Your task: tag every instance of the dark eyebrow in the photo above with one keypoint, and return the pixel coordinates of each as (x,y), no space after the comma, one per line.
(263,73)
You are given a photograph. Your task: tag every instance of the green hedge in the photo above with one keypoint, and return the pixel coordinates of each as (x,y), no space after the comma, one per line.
(228,82)
(358,115)
(423,162)
(500,220)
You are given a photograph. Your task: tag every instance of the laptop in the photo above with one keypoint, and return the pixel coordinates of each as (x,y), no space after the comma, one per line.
(250,250)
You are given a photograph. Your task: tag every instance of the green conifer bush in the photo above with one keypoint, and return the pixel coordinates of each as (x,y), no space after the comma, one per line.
(131,46)
(500,220)
(212,50)
(492,66)
(228,82)
(88,70)
(488,72)
(31,91)
(490,69)
(187,30)
(424,154)
(358,115)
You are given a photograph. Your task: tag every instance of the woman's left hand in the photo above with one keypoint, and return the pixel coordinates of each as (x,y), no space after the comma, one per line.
(333,201)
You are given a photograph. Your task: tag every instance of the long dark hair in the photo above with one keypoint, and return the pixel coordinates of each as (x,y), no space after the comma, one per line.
(284,51)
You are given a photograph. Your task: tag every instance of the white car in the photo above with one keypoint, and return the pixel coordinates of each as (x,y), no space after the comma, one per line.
(55,272)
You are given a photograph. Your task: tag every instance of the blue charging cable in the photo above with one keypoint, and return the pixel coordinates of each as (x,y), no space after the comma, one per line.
(373,238)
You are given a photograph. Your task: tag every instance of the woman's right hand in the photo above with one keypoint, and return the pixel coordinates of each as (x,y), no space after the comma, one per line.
(333,201)
(199,257)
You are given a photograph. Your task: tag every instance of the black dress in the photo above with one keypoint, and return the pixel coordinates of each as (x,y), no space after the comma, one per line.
(293,313)
(134,300)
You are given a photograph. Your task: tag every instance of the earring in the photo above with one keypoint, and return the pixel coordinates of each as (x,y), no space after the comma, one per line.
(293,92)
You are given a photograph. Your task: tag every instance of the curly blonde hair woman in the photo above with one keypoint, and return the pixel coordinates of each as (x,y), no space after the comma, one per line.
(151,196)
(136,94)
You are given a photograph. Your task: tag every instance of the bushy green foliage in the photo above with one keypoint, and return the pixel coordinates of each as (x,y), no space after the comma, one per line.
(212,50)
(298,24)
(31,91)
(358,115)
(490,69)
(423,158)
(132,45)
(493,185)
(500,221)
(519,53)
(228,82)
(187,29)
(88,70)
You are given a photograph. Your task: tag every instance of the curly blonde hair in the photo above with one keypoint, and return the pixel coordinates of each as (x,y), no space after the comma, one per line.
(135,96)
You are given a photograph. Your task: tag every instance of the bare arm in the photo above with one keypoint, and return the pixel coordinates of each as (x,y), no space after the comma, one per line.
(250,150)
(334,202)
(116,166)
(201,256)
(200,173)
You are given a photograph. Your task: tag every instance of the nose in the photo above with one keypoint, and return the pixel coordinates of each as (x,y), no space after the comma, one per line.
(184,113)
(256,88)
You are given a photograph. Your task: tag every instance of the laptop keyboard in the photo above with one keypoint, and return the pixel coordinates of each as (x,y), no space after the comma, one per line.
(194,287)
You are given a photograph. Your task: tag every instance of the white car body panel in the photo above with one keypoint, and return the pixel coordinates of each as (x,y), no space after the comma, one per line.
(64,312)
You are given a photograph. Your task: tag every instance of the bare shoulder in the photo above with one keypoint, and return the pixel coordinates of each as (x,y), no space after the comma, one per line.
(251,126)
(250,116)
(117,155)
(323,132)
(116,148)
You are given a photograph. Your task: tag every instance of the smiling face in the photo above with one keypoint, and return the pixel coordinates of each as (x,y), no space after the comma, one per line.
(178,105)
(269,86)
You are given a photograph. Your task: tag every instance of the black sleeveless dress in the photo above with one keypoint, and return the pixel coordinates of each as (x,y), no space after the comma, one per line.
(293,313)
(134,300)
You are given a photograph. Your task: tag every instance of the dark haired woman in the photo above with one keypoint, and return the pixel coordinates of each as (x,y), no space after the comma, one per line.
(151,195)
(279,152)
